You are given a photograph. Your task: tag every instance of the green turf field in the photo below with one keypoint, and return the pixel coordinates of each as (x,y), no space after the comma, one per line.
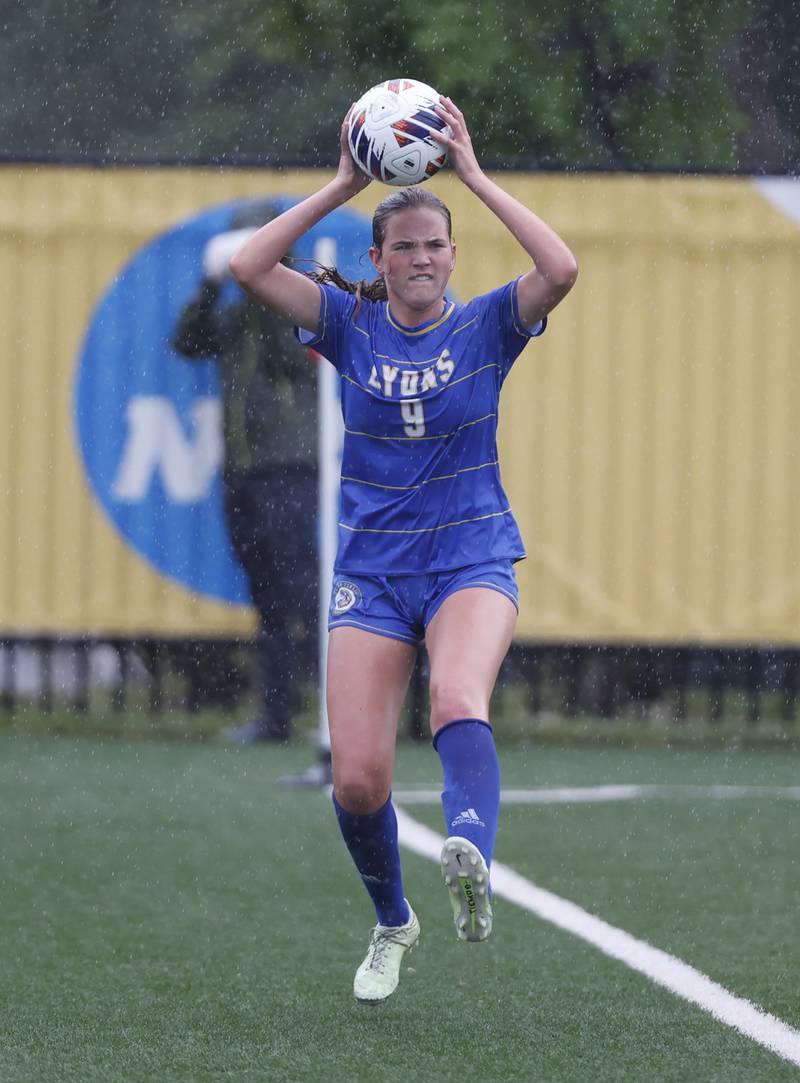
(170,912)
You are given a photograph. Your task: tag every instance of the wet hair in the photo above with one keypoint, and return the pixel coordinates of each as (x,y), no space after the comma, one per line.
(404,200)
(401,200)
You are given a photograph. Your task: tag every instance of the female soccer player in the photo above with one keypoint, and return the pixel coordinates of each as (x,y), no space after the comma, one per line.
(427,541)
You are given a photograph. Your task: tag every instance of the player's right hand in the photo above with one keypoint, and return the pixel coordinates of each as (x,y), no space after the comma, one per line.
(348,171)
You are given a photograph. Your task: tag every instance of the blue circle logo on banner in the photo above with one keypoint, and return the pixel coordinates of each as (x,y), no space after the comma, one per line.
(149,421)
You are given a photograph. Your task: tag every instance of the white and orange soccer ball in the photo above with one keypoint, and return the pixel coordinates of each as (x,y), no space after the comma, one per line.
(389,132)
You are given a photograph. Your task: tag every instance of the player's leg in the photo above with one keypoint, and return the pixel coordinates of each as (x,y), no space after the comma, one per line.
(368,676)
(467,640)
(367,679)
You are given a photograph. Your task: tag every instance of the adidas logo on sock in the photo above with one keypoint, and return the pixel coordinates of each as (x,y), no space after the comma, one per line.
(468,816)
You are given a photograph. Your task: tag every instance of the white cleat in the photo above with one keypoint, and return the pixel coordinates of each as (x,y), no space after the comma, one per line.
(377,977)
(467,878)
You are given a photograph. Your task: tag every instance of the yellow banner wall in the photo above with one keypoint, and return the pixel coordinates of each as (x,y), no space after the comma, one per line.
(648,439)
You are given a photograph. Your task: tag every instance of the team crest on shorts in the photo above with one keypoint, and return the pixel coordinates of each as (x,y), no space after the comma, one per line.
(346,595)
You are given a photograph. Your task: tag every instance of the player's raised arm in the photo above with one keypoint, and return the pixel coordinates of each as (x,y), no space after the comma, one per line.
(555,268)
(257,265)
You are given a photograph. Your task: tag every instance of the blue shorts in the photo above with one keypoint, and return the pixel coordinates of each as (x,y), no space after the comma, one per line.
(402,606)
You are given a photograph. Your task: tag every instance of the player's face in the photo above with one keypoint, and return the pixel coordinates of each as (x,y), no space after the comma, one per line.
(416,259)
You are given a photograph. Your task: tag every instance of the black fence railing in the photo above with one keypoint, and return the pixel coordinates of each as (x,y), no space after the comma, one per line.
(570,680)
(691,680)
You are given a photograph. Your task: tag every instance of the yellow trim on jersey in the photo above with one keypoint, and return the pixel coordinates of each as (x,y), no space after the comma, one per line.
(405,360)
(427,481)
(423,330)
(469,375)
(323,322)
(423,529)
(440,436)
(519,327)
(466,470)
(429,361)
(420,397)
(355,383)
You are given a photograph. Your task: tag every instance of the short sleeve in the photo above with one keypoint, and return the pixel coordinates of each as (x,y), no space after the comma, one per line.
(499,312)
(511,318)
(337,308)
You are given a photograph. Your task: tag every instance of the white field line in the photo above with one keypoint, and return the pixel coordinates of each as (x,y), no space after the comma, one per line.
(568,795)
(663,969)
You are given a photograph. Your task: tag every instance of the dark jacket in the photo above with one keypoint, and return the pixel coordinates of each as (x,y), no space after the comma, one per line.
(267,380)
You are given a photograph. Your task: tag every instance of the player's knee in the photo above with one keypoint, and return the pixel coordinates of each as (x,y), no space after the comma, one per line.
(451,700)
(360,791)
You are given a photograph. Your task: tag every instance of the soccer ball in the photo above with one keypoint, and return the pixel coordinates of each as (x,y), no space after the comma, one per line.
(389,132)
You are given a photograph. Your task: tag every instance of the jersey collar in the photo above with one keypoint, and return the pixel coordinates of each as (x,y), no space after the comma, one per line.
(422,328)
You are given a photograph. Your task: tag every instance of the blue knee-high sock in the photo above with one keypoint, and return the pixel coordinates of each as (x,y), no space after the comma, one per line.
(471,796)
(373,846)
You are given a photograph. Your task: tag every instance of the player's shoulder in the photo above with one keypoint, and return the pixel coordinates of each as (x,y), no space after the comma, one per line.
(482,308)
(336,299)
(493,298)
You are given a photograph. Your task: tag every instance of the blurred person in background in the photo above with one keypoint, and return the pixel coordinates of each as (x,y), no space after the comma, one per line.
(268,389)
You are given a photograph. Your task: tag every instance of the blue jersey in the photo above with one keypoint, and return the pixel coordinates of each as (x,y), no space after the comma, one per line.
(421,488)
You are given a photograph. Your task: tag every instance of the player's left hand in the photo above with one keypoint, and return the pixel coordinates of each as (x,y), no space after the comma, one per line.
(459,146)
